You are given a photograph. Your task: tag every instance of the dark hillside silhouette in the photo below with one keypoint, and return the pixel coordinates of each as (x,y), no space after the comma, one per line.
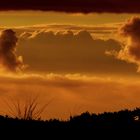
(96,125)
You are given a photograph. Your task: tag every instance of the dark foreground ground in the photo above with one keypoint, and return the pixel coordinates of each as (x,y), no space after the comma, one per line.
(109,125)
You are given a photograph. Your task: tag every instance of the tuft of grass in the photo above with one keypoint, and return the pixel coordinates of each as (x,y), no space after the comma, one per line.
(28,110)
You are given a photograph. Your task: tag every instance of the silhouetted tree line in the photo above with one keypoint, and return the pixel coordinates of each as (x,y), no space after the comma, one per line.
(124,121)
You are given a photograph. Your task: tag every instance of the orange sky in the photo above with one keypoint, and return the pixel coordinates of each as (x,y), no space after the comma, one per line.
(80,61)
(27,18)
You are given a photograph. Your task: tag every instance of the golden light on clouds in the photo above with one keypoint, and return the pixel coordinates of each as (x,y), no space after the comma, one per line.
(71,61)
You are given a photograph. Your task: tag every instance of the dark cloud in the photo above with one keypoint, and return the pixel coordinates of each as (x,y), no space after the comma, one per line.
(8,57)
(74,6)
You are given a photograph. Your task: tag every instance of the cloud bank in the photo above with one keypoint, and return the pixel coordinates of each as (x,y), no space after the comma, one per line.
(65,49)
(74,6)
(69,51)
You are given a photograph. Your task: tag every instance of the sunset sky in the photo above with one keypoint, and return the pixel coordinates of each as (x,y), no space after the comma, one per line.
(82,56)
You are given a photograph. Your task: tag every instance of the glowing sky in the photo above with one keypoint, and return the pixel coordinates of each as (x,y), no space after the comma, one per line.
(29,18)
(84,62)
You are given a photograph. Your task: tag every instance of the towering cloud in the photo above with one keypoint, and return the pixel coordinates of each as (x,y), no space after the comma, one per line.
(81,6)
(8,57)
(131,51)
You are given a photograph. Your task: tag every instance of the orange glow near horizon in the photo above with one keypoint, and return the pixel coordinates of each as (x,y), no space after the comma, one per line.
(71,94)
